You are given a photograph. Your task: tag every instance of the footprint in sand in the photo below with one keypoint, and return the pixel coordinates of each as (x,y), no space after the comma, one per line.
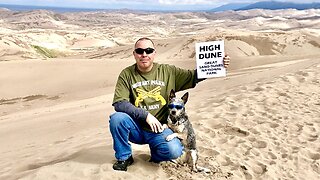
(313,155)
(316,167)
(307,134)
(295,149)
(272,156)
(259,144)
(236,131)
(312,137)
(208,151)
(296,129)
(292,80)
(224,160)
(232,108)
(255,131)
(303,73)
(311,133)
(62,141)
(204,131)
(259,168)
(247,175)
(258,89)
(274,125)
(270,102)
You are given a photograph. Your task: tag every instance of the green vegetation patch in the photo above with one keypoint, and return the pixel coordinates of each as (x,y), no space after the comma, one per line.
(49,53)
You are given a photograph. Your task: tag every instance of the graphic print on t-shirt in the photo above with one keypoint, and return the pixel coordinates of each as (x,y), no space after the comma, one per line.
(154,94)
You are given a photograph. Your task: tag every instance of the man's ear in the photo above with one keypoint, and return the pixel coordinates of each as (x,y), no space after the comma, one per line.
(172,94)
(185,97)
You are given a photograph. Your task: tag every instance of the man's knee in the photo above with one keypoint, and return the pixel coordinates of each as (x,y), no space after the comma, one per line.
(117,119)
(175,150)
(167,151)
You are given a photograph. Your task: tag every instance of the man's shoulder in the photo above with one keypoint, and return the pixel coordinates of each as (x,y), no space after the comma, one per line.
(165,66)
(169,68)
(130,68)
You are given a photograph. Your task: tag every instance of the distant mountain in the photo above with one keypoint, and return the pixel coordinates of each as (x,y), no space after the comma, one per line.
(230,6)
(273,5)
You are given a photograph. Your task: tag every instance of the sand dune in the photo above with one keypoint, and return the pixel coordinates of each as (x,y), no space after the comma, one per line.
(260,122)
(45,34)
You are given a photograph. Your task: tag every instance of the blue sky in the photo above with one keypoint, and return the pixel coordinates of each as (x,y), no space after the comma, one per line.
(138,4)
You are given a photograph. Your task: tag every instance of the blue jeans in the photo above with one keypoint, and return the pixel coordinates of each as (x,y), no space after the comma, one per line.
(124,129)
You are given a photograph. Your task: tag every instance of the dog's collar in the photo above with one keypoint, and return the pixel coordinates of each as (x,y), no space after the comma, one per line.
(179,120)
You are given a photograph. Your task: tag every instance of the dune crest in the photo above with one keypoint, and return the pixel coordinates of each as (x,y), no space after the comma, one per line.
(43,34)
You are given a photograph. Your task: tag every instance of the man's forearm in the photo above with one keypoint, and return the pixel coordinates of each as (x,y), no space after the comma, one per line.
(196,79)
(130,109)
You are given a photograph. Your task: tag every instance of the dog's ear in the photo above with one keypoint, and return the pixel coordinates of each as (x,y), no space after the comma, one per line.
(185,97)
(172,94)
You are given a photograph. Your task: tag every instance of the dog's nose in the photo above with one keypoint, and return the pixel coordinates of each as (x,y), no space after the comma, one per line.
(173,112)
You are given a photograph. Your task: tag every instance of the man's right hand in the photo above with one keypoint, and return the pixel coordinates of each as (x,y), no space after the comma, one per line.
(155,125)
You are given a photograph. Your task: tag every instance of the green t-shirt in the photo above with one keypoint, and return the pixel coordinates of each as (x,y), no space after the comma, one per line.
(151,90)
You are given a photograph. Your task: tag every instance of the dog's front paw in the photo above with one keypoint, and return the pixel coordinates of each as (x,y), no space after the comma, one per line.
(202,169)
(164,126)
(170,137)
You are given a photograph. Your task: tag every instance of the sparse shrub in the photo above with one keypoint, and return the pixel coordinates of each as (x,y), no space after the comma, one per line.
(45,52)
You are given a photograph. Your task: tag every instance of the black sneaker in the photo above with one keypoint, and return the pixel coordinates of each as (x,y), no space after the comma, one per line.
(122,165)
(153,161)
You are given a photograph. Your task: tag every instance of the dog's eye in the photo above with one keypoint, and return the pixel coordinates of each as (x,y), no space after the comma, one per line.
(172,106)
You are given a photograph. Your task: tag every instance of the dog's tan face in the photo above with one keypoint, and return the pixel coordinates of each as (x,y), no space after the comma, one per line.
(176,105)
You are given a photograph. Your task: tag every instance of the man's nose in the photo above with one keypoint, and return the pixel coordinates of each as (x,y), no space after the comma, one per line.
(144,53)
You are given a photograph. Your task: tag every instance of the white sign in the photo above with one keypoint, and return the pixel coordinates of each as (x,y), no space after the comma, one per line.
(209,56)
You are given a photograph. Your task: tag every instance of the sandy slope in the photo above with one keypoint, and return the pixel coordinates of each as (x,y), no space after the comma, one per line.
(258,122)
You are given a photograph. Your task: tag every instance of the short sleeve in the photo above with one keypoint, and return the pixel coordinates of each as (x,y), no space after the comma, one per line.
(122,88)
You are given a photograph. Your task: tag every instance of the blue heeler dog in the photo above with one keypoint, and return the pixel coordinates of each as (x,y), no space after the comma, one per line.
(179,123)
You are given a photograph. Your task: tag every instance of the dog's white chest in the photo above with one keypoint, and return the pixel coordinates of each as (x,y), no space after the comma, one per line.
(178,128)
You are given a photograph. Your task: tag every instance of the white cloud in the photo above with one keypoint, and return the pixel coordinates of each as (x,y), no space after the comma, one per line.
(186,2)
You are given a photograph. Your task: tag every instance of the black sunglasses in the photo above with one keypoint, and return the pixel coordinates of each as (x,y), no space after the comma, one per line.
(172,106)
(147,50)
